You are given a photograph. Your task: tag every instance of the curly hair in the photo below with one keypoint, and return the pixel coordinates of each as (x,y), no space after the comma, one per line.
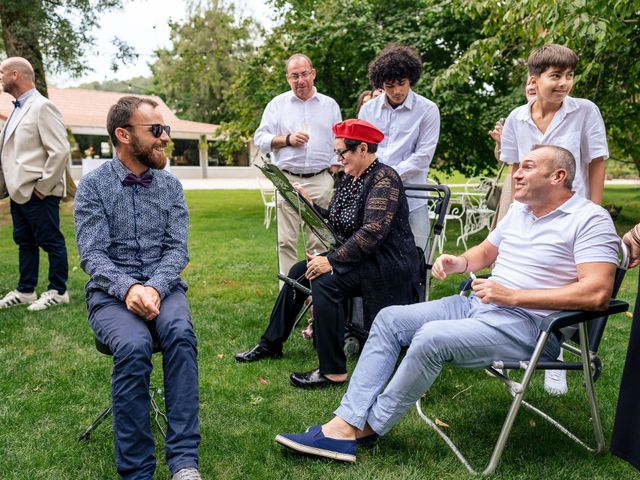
(394,63)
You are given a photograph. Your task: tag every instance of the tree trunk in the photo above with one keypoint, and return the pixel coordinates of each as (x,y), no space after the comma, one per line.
(21,23)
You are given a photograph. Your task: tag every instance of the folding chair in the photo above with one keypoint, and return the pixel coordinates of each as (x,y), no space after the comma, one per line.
(588,336)
(154,394)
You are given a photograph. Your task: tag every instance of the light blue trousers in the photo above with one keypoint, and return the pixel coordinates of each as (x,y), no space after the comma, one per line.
(456,329)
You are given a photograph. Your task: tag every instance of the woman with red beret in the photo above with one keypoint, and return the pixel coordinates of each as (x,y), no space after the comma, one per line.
(378,260)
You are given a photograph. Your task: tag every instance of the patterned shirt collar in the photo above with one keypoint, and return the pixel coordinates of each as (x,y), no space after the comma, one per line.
(122,171)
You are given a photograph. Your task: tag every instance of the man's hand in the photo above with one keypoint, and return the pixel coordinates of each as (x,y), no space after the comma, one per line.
(143,301)
(38,194)
(446,264)
(298,139)
(489,291)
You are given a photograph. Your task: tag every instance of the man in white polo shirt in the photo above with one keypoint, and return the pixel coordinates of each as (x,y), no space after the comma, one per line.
(296,130)
(554,250)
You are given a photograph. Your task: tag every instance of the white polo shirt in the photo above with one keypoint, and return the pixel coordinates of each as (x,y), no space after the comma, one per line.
(411,133)
(286,114)
(577,126)
(539,253)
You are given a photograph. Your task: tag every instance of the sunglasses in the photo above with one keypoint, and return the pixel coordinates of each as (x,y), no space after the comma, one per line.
(156,128)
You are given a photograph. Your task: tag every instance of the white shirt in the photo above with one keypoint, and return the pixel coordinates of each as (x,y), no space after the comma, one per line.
(286,114)
(540,253)
(577,126)
(13,118)
(411,133)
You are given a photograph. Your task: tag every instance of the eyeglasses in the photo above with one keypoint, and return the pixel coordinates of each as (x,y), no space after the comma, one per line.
(156,128)
(296,76)
(340,153)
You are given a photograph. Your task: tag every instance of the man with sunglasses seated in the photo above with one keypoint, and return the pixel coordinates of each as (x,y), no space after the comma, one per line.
(132,228)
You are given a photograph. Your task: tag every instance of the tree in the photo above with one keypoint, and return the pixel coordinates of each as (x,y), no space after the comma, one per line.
(207,52)
(604,33)
(343,36)
(47,31)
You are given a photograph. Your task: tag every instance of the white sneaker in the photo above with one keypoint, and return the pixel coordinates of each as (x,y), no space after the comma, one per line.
(48,299)
(187,474)
(15,297)
(555,382)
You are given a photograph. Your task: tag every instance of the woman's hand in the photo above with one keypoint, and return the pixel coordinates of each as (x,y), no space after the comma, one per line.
(303,193)
(317,265)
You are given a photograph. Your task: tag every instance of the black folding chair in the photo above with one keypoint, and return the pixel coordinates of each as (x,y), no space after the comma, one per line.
(588,336)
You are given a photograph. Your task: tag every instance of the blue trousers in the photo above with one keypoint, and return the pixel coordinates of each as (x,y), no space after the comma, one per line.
(36,224)
(129,338)
(457,329)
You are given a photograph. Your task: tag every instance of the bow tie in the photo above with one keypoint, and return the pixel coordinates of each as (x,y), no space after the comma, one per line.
(16,103)
(131,179)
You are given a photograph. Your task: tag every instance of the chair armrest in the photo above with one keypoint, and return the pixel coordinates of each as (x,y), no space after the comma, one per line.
(566,318)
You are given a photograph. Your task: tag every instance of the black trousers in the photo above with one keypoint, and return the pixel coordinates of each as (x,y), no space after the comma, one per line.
(329,292)
(625,440)
(36,224)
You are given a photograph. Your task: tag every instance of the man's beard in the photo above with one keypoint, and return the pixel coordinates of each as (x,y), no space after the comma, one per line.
(148,156)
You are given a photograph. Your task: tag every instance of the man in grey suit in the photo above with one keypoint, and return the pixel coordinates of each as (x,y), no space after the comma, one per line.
(33,155)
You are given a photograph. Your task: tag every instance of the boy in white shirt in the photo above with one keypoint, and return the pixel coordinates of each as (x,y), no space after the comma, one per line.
(552,117)
(410,123)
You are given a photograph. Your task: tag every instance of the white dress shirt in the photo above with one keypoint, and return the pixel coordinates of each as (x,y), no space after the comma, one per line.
(286,114)
(577,126)
(411,133)
(542,252)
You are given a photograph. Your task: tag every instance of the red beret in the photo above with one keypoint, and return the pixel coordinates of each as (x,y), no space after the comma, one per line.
(355,129)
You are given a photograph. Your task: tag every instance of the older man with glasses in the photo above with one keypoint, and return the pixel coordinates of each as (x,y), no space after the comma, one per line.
(296,131)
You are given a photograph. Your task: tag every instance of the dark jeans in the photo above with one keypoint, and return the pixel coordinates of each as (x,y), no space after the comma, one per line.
(329,316)
(129,338)
(37,224)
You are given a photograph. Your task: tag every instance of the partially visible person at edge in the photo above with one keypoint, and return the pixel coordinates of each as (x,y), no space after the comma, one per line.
(367,96)
(33,152)
(625,439)
(296,130)
(555,118)
(410,123)
(132,229)
(377,259)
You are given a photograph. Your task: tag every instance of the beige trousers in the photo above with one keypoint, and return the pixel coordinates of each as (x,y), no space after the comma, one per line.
(320,189)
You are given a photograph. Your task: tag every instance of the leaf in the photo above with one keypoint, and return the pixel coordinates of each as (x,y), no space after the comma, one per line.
(220,356)
(440,423)
(629,314)
(263,380)
(532,423)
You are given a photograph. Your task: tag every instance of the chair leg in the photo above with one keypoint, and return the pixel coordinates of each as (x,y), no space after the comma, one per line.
(588,385)
(106,413)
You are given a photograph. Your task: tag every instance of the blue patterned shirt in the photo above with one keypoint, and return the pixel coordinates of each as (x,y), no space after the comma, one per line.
(131,234)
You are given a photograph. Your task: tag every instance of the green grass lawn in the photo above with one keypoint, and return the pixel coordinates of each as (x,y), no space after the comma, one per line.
(53,382)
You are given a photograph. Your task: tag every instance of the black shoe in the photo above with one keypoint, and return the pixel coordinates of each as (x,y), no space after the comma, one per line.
(312,379)
(256,353)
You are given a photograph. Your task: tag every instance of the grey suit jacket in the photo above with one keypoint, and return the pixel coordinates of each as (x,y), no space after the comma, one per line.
(35,151)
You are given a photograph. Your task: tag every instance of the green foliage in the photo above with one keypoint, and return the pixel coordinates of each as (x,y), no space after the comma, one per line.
(604,33)
(343,36)
(207,52)
(57,34)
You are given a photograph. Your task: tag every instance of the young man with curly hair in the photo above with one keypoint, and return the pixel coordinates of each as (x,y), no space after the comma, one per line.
(410,123)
